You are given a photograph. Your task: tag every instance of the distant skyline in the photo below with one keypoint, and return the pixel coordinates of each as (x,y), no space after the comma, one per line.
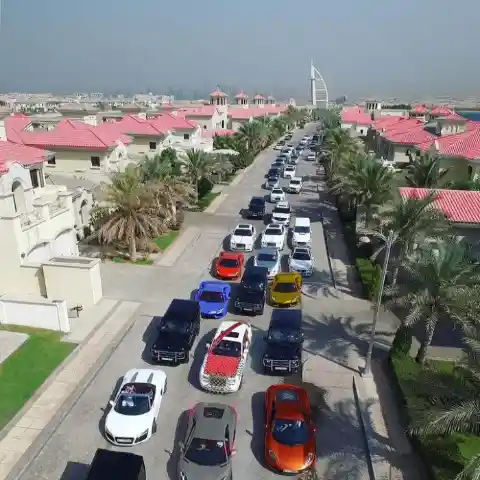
(394,49)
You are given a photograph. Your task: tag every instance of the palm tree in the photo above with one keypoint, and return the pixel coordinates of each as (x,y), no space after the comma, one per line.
(196,165)
(252,134)
(364,181)
(338,145)
(454,405)
(425,172)
(411,220)
(134,216)
(160,166)
(472,185)
(435,280)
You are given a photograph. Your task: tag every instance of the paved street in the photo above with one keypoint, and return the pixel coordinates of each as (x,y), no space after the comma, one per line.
(333,327)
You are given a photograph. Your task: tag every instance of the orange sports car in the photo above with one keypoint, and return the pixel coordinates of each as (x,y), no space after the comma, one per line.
(290,445)
(229,265)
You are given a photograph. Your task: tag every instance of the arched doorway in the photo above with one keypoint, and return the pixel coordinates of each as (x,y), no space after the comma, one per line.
(64,244)
(19,197)
(470,172)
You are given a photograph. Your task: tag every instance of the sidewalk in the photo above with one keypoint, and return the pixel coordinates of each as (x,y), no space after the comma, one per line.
(27,425)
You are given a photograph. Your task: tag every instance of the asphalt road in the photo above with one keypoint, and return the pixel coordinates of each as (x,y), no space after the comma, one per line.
(71,445)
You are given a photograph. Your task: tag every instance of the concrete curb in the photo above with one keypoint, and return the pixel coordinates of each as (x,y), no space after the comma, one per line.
(39,443)
(213,207)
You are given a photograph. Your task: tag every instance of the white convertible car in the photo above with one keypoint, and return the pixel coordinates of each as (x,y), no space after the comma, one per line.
(243,238)
(132,418)
(274,236)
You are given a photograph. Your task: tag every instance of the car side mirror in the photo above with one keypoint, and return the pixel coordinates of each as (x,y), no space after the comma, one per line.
(314,429)
(111,403)
(181,446)
(233,452)
(207,346)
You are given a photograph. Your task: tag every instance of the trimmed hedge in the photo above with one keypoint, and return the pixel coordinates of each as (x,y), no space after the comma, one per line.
(370,275)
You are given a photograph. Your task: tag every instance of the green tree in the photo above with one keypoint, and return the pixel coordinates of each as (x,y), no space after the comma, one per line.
(425,172)
(434,281)
(337,146)
(196,165)
(134,216)
(364,181)
(252,134)
(412,221)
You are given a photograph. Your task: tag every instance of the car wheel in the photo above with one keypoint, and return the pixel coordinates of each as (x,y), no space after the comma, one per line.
(165,388)
(154,427)
(241,383)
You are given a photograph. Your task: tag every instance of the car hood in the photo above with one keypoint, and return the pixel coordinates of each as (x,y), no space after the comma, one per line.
(288,457)
(272,238)
(280,215)
(269,265)
(207,307)
(244,240)
(301,264)
(285,297)
(194,471)
(254,296)
(127,425)
(171,341)
(283,351)
(256,208)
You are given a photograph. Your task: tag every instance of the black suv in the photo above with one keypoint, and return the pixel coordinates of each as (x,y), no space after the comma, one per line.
(118,465)
(284,339)
(256,207)
(252,291)
(176,332)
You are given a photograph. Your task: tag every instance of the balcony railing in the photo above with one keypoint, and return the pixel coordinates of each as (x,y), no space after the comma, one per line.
(31,218)
(57,207)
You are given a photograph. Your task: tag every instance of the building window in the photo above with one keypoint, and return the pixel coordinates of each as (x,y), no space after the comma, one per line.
(152,145)
(186,136)
(95,162)
(34,174)
(52,161)
(205,127)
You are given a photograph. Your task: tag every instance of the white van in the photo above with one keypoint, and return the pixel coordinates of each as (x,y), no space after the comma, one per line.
(302,232)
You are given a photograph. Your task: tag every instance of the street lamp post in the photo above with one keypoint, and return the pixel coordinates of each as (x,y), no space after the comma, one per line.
(367,371)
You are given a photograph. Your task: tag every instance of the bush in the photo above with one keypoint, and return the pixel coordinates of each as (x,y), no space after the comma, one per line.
(370,275)
(204,186)
(402,343)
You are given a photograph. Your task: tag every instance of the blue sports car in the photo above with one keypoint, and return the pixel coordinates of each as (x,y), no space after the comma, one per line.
(213,297)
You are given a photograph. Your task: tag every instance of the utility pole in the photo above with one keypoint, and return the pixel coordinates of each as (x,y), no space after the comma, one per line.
(367,371)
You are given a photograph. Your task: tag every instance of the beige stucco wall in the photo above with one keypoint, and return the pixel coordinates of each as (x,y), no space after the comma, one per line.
(78,281)
(141,144)
(205,123)
(236,124)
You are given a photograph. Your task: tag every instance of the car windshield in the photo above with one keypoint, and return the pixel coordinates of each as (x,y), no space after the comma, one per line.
(242,232)
(177,326)
(281,210)
(290,432)
(227,348)
(295,182)
(284,336)
(288,287)
(133,404)
(229,262)
(213,297)
(206,452)
(266,257)
(253,281)
(273,180)
(301,256)
(273,231)
(257,201)
(302,229)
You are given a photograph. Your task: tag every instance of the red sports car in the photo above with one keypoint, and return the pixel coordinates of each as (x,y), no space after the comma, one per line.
(229,265)
(290,445)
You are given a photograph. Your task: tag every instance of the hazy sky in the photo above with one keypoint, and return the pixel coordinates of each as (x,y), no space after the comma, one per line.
(366,48)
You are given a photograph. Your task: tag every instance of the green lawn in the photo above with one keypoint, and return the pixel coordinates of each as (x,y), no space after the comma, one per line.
(23,372)
(447,454)
(165,240)
(207,199)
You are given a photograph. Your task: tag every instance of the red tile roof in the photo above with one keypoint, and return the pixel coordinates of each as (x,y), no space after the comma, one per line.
(441,111)
(460,206)
(220,133)
(356,115)
(453,116)
(13,152)
(218,94)
(386,122)
(465,144)
(258,96)
(168,121)
(412,136)
(419,109)
(201,111)
(255,112)
(241,94)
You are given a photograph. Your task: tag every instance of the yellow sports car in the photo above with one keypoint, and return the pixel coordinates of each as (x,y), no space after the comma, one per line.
(286,289)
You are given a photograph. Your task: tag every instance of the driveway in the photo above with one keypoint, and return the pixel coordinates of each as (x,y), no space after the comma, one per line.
(331,330)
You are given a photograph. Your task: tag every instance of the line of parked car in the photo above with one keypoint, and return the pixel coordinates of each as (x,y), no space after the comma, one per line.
(209,441)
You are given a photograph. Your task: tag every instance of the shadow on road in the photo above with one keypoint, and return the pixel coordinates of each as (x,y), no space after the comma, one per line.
(198,357)
(75,471)
(174,452)
(258,427)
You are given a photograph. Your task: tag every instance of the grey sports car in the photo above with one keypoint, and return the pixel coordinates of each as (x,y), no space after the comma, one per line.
(207,450)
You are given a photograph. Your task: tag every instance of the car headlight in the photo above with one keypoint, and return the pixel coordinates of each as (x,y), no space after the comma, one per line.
(142,436)
(310,458)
